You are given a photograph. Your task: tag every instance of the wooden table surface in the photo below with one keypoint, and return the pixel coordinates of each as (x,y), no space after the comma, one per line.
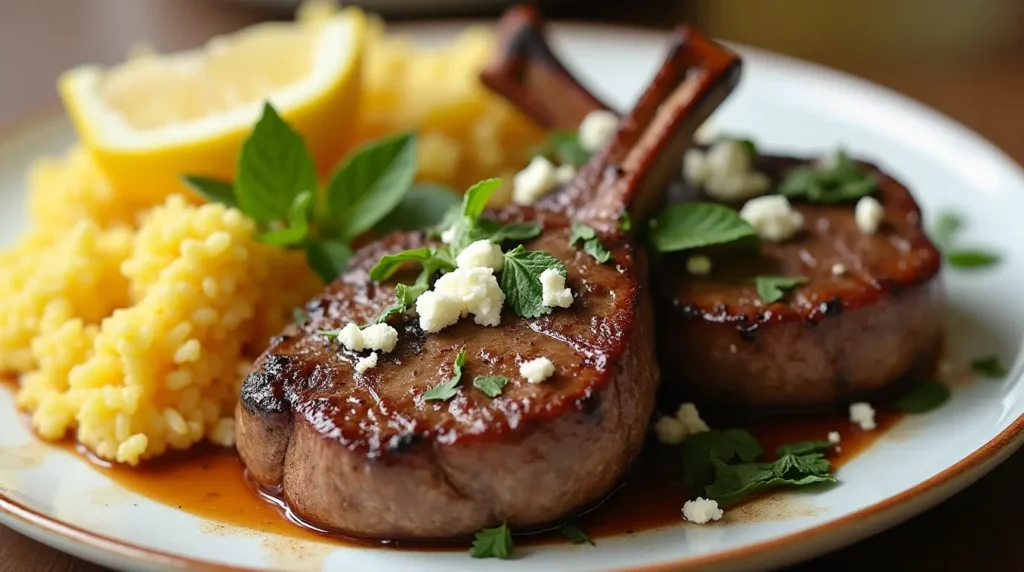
(978,529)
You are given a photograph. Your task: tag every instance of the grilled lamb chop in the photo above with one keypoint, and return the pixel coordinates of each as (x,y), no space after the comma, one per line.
(833,340)
(365,455)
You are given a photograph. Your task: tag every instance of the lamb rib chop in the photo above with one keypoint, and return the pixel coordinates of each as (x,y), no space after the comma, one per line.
(835,339)
(366,456)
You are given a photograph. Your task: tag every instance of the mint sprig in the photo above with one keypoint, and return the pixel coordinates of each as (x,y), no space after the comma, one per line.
(771,289)
(692,225)
(520,280)
(447,389)
(592,245)
(276,185)
(840,180)
(493,543)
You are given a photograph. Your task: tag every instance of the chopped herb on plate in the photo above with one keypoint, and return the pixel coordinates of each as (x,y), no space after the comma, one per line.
(493,543)
(989,366)
(944,231)
(923,398)
(575,534)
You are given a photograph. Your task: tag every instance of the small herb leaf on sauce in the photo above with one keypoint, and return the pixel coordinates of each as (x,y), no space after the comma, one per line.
(699,450)
(771,289)
(493,543)
(575,534)
(520,280)
(923,398)
(447,389)
(587,236)
(693,225)
(804,447)
(971,258)
(423,207)
(403,299)
(989,366)
(736,482)
(944,229)
(491,385)
(833,180)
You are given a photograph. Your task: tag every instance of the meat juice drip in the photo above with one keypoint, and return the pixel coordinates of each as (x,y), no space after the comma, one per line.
(210,483)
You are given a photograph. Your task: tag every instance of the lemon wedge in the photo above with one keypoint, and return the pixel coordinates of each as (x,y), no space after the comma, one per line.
(155,117)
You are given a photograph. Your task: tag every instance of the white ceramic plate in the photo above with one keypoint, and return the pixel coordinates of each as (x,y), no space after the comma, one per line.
(788,106)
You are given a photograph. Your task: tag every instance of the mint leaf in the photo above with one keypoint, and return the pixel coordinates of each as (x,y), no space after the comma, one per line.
(700,449)
(989,366)
(592,245)
(804,447)
(475,200)
(370,183)
(736,482)
(771,289)
(403,300)
(491,385)
(972,258)
(925,397)
(946,226)
(328,258)
(625,221)
(447,389)
(497,233)
(298,221)
(575,534)
(520,280)
(493,543)
(841,180)
(299,316)
(563,147)
(213,190)
(692,225)
(428,256)
(423,207)
(273,167)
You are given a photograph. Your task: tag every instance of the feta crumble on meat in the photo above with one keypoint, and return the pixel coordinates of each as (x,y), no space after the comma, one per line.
(459,293)
(553,290)
(367,363)
(380,337)
(564,174)
(537,370)
(864,415)
(838,269)
(833,437)
(868,214)
(701,511)
(597,129)
(772,217)
(481,254)
(536,180)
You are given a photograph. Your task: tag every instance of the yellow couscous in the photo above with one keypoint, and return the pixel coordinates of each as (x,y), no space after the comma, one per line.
(131,318)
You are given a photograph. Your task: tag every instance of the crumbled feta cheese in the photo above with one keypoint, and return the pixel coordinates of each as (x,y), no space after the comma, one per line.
(553,290)
(459,293)
(698,265)
(448,235)
(705,134)
(772,217)
(864,415)
(597,129)
(690,418)
(838,269)
(368,362)
(351,337)
(564,174)
(701,511)
(482,253)
(869,214)
(533,182)
(670,430)
(833,437)
(537,370)
(376,337)
(380,337)
(732,348)
(695,168)
(729,156)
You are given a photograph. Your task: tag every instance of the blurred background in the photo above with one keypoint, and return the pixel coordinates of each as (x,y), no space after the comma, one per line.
(963,57)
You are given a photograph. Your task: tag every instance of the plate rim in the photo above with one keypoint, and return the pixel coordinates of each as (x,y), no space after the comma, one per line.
(883,514)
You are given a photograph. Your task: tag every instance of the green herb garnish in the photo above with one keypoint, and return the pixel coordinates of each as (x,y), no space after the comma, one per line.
(404,298)
(424,206)
(947,226)
(736,482)
(771,289)
(563,147)
(923,398)
(520,280)
(837,181)
(989,366)
(447,389)
(587,236)
(575,534)
(805,447)
(491,385)
(277,187)
(693,225)
(625,222)
(299,316)
(699,449)
(493,543)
